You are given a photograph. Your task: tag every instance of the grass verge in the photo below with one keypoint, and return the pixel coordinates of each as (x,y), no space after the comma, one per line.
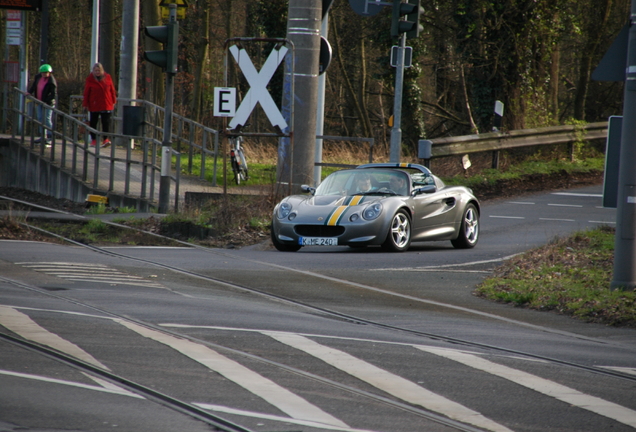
(570,276)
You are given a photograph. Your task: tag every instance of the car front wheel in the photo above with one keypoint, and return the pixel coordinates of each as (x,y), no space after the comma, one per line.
(398,238)
(469,229)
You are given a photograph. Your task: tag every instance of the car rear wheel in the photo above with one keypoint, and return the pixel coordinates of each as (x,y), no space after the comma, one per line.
(283,247)
(469,229)
(398,238)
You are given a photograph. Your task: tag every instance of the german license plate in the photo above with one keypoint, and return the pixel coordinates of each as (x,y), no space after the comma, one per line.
(318,241)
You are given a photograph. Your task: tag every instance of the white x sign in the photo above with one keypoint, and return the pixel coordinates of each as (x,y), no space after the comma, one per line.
(258,87)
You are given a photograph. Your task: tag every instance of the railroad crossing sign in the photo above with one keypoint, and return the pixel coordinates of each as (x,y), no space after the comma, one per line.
(258,87)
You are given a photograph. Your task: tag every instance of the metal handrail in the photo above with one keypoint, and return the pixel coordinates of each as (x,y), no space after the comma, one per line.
(188,136)
(70,149)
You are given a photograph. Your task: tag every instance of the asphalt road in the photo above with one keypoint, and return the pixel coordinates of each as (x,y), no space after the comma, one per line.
(320,339)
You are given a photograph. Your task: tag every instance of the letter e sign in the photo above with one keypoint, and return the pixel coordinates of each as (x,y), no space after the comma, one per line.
(224,101)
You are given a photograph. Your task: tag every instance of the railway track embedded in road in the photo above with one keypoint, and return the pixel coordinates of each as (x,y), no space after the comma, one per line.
(182,406)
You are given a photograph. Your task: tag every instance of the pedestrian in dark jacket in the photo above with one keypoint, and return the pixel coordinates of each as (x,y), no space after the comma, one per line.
(44,88)
(100,98)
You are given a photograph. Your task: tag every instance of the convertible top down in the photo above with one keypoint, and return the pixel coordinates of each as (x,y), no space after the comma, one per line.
(384,204)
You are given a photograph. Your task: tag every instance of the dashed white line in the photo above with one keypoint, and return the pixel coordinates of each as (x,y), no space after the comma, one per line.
(578,194)
(565,205)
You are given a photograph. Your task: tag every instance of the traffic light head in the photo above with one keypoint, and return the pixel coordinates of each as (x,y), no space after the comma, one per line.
(168,35)
(411,10)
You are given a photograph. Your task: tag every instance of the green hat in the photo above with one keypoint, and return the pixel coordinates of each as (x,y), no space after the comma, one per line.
(46,68)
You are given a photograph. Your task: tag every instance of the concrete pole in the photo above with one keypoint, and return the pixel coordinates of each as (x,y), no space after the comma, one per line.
(625,240)
(320,111)
(296,155)
(395,150)
(127,87)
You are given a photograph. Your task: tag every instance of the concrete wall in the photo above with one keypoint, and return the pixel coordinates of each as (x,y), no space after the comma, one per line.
(21,168)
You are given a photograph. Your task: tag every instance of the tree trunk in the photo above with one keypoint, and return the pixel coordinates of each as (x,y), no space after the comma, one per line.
(107,38)
(595,31)
(153,77)
(202,56)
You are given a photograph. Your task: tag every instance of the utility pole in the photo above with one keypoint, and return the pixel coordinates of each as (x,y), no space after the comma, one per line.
(296,153)
(396,130)
(127,87)
(625,240)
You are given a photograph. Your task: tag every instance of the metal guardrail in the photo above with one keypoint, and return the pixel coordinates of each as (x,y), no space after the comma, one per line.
(495,141)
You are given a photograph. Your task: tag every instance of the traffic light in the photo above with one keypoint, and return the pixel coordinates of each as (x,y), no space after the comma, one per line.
(411,25)
(168,35)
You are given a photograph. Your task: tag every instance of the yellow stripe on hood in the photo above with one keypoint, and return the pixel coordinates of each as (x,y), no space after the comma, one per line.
(339,211)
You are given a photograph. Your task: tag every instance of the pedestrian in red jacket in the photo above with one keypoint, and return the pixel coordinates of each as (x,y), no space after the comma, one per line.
(99,98)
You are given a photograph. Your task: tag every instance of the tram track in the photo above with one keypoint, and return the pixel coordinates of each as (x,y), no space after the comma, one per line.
(329,312)
(313,308)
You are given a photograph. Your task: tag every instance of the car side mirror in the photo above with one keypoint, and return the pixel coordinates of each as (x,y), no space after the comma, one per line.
(308,189)
(425,190)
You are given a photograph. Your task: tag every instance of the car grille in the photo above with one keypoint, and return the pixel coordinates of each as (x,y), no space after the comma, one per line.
(319,230)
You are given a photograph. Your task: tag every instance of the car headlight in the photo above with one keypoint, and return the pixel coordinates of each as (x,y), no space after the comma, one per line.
(372,212)
(283,210)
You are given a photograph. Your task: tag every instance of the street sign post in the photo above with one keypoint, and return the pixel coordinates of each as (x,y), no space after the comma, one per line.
(224,101)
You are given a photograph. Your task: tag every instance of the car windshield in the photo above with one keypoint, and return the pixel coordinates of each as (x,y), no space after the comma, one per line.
(366,181)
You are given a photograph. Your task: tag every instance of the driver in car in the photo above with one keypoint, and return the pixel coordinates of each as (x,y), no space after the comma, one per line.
(363,183)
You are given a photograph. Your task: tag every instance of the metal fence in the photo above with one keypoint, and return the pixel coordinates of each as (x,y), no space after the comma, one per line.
(188,137)
(132,164)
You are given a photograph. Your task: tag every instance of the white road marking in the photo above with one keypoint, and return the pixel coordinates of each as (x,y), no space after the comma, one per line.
(541,385)
(227,410)
(506,217)
(565,205)
(283,399)
(79,272)
(521,202)
(602,222)
(578,194)
(24,326)
(557,220)
(105,386)
(387,381)
(447,266)
(627,370)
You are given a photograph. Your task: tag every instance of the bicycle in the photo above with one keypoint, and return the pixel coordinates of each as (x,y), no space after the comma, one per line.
(237,158)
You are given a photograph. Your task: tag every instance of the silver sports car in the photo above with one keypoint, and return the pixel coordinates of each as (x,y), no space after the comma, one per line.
(384,204)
